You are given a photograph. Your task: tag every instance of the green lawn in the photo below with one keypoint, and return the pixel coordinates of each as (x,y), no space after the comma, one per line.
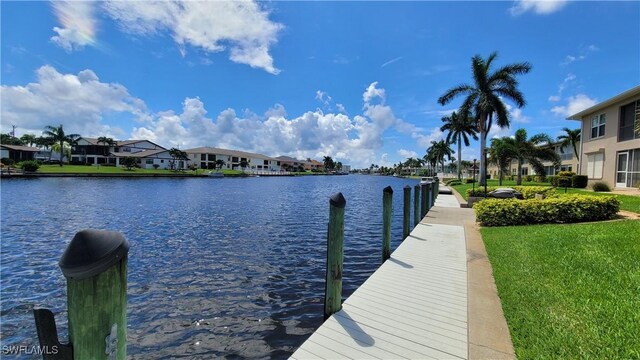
(627,202)
(569,291)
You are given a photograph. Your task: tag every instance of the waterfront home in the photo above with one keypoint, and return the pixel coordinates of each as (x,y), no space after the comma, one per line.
(311,165)
(206,158)
(610,146)
(290,163)
(149,155)
(17,152)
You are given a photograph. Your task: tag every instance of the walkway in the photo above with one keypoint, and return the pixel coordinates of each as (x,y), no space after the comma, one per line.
(414,306)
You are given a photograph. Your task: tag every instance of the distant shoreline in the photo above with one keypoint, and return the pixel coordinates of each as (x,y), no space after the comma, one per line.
(138,175)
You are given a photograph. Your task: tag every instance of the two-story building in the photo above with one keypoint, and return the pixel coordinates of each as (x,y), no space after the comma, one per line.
(568,162)
(610,144)
(207,157)
(147,154)
(290,164)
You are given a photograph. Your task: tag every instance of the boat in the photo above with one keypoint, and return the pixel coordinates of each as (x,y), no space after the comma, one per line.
(426,180)
(215,174)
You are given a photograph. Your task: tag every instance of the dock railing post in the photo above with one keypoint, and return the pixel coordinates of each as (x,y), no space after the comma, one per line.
(387,203)
(335,253)
(423,200)
(416,205)
(406,213)
(95,266)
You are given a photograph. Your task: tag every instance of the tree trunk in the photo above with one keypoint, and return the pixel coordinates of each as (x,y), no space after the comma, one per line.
(519,182)
(483,144)
(61,151)
(499,174)
(459,157)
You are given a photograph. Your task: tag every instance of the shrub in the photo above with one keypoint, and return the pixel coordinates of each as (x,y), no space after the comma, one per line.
(30,166)
(454,183)
(566,209)
(528,192)
(540,178)
(563,182)
(8,161)
(156,166)
(579,181)
(552,179)
(469,181)
(528,178)
(601,186)
(566,173)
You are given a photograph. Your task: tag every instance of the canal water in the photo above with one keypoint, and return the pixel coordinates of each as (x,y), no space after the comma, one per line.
(229,268)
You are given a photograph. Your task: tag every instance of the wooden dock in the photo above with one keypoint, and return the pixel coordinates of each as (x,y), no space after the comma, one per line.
(414,306)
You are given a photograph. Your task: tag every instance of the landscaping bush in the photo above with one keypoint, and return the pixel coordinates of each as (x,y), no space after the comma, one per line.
(563,181)
(454,183)
(566,173)
(528,192)
(552,179)
(540,178)
(601,186)
(528,178)
(579,181)
(30,166)
(8,161)
(566,209)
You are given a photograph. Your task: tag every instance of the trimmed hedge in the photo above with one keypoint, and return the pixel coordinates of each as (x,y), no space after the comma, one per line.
(528,192)
(566,209)
(579,181)
(601,186)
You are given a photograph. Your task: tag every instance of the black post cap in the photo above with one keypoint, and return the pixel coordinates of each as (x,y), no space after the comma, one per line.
(91,252)
(388,189)
(337,200)
(407,187)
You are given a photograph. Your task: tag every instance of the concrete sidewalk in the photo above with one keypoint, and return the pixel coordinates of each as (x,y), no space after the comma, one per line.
(489,336)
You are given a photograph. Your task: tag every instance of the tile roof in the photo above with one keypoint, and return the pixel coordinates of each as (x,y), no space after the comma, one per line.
(138,154)
(20,148)
(218,151)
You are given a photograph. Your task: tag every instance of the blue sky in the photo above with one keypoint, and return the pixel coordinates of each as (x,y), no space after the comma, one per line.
(358,81)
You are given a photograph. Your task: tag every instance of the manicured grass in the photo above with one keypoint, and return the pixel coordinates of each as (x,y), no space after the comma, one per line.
(82,169)
(569,291)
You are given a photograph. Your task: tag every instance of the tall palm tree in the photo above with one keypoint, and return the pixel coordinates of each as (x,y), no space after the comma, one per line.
(220,163)
(243,164)
(570,137)
(107,142)
(530,149)
(57,135)
(460,127)
(437,152)
(328,163)
(501,154)
(483,97)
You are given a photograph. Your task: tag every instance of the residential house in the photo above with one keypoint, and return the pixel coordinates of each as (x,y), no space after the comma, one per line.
(568,162)
(311,165)
(17,152)
(148,154)
(206,157)
(289,163)
(610,146)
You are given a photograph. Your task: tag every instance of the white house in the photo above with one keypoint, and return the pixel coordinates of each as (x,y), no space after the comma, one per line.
(206,158)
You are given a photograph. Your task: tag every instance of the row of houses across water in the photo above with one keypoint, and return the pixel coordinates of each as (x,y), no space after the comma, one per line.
(149,155)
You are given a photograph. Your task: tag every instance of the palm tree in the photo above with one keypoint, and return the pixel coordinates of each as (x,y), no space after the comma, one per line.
(107,142)
(328,163)
(460,127)
(57,135)
(28,139)
(220,163)
(484,97)
(46,143)
(501,154)
(438,151)
(530,149)
(570,137)
(243,164)
(177,155)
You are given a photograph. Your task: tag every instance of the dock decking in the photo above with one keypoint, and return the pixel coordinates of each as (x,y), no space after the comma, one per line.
(414,306)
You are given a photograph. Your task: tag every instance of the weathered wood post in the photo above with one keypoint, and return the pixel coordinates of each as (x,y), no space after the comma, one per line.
(436,188)
(95,265)
(429,200)
(387,203)
(335,253)
(406,213)
(423,200)
(416,205)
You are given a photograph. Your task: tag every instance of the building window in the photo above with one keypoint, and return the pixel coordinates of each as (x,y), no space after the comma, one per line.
(234,159)
(629,117)
(266,162)
(594,165)
(203,157)
(597,126)
(149,161)
(212,157)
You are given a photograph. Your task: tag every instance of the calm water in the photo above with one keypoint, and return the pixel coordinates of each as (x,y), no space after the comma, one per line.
(217,267)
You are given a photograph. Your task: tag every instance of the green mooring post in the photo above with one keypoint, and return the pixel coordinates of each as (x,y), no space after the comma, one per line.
(429,202)
(95,265)
(406,213)
(416,205)
(387,203)
(423,200)
(335,253)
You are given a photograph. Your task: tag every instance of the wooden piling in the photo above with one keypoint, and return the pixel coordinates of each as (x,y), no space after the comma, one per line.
(335,253)
(406,213)
(387,203)
(416,205)
(423,200)
(95,266)
(429,196)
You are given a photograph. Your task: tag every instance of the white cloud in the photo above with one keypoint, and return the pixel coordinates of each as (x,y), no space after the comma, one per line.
(574,105)
(323,97)
(542,7)
(554,98)
(562,87)
(405,154)
(78,24)
(341,108)
(391,61)
(373,92)
(497,132)
(208,25)
(516,115)
(77,101)
(584,52)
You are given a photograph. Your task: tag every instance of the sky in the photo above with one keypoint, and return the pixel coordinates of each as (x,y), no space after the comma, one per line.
(357,81)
